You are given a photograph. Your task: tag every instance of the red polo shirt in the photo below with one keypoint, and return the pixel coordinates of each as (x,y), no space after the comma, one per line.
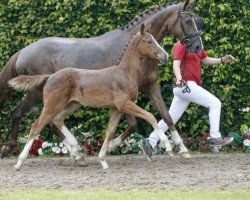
(193,62)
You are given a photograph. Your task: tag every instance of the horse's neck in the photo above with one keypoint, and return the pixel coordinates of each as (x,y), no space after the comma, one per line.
(158,18)
(132,62)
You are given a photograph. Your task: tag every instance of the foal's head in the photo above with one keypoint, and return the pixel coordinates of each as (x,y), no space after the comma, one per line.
(148,46)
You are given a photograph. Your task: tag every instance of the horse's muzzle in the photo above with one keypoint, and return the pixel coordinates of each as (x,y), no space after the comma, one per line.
(163,58)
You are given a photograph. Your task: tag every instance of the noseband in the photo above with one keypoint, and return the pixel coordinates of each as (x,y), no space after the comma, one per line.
(188,38)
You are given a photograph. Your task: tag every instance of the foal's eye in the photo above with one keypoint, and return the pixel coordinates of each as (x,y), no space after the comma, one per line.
(150,41)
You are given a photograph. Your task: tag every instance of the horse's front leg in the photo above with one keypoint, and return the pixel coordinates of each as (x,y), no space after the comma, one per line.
(129,130)
(154,94)
(114,119)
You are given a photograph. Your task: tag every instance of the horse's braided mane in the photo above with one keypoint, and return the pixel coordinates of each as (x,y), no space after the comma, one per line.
(145,14)
(125,49)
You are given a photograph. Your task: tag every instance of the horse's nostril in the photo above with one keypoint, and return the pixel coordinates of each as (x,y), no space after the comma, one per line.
(198,48)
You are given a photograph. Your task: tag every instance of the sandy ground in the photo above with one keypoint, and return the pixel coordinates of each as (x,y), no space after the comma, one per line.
(207,171)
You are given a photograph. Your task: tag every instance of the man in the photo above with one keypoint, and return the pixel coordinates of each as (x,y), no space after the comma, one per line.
(187,70)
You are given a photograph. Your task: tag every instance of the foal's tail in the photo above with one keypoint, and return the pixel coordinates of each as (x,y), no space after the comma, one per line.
(23,83)
(8,72)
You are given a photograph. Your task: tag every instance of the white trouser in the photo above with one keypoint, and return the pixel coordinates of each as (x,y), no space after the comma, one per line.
(181,101)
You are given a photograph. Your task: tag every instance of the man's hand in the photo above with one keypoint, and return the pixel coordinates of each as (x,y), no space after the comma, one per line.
(179,82)
(228,59)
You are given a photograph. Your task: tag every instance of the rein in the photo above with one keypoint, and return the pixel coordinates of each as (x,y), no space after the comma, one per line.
(187,88)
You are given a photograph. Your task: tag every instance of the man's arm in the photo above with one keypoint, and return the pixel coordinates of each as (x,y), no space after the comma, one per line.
(177,73)
(216,61)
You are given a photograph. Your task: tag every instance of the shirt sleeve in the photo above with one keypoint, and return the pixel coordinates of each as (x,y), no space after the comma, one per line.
(204,54)
(179,51)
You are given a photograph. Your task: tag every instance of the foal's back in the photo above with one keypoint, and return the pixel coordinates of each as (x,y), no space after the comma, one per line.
(95,88)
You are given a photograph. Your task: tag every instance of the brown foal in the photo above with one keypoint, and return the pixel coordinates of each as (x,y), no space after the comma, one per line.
(115,88)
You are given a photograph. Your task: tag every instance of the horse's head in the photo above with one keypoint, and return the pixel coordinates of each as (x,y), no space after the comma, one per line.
(149,47)
(187,27)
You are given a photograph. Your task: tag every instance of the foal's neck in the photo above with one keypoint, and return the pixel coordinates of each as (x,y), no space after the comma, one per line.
(131,59)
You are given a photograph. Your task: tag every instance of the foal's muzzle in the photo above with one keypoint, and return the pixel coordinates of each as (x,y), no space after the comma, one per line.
(163,58)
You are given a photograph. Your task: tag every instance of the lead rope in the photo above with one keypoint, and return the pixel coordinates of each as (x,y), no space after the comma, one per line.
(186,89)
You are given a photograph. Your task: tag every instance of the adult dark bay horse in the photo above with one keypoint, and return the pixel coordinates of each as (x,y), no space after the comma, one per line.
(49,55)
(115,88)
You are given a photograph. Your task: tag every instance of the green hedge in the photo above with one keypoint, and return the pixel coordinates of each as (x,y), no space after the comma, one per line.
(226,31)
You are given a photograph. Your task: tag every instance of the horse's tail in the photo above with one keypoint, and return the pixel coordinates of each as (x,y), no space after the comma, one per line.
(7,73)
(23,83)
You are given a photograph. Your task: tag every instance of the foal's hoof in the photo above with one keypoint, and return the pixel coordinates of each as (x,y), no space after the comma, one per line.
(81,162)
(185,155)
(17,168)
(170,153)
(104,164)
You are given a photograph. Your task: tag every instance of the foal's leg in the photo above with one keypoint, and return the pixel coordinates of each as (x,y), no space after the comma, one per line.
(129,130)
(49,111)
(133,109)
(36,128)
(58,121)
(114,119)
(70,142)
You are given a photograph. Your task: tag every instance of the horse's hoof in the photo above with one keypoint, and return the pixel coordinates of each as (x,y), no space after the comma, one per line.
(16,168)
(4,152)
(185,155)
(81,163)
(170,153)
(8,149)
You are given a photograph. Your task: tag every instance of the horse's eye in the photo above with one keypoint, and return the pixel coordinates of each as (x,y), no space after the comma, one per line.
(150,41)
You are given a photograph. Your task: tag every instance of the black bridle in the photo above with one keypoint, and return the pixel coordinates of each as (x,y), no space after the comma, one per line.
(187,38)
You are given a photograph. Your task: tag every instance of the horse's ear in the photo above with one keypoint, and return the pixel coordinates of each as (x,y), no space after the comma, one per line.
(142,29)
(189,4)
(147,29)
(186,4)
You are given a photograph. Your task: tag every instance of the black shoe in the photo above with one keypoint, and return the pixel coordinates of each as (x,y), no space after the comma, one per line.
(220,141)
(147,149)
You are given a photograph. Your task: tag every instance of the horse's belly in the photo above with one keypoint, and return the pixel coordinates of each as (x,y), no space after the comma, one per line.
(97,98)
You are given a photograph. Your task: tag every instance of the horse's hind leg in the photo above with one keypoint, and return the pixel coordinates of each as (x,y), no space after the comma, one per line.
(70,142)
(50,110)
(31,99)
(114,119)
(133,109)
(36,128)
(129,130)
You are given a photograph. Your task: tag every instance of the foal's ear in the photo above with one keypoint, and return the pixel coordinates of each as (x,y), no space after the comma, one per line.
(142,29)
(147,29)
